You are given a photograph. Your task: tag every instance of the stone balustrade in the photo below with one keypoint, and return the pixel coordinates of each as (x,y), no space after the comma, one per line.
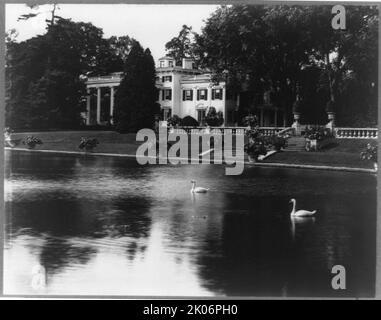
(222,130)
(270,131)
(356,133)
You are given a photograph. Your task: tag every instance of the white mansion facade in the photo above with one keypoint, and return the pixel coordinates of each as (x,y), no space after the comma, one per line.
(183,91)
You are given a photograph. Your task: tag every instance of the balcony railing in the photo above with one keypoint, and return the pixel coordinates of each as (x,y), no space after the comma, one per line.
(356,133)
(112,77)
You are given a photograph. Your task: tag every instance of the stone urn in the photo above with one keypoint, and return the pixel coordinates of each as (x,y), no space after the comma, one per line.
(331,120)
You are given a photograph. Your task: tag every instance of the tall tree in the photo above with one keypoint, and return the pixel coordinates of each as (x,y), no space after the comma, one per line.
(181,46)
(121,46)
(47,74)
(269,48)
(135,100)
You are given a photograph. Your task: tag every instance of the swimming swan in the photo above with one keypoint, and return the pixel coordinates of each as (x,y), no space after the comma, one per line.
(300,213)
(198,189)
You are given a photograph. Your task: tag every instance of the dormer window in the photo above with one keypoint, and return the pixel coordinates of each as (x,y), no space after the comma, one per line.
(170,63)
(162,64)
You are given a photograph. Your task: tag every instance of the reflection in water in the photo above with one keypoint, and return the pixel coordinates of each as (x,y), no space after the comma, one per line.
(300,223)
(91,225)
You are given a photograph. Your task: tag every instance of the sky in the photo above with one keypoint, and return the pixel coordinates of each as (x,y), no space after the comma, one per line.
(151,25)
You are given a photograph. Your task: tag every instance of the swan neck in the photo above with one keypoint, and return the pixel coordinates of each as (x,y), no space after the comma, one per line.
(293,207)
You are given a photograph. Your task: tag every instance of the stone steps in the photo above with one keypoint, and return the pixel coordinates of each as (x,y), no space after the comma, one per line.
(295,144)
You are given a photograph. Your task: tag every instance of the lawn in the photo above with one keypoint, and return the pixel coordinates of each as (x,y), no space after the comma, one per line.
(344,153)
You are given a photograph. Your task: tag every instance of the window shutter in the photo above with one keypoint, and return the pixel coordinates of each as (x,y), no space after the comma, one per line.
(184,95)
(198,94)
(170,94)
(162,94)
(191,95)
(213,94)
(206,94)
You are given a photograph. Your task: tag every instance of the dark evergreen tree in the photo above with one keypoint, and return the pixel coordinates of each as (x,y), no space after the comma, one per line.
(135,100)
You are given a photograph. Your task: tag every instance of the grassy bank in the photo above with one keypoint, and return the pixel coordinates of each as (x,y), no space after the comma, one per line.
(344,153)
(109,141)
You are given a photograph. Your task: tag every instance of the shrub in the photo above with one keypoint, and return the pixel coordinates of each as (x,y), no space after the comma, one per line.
(174,121)
(213,118)
(189,121)
(278,142)
(88,144)
(317,133)
(250,121)
(256,145)
(31,142)
(369,153)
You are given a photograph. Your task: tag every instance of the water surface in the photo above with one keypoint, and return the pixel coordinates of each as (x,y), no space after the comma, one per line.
(99,225)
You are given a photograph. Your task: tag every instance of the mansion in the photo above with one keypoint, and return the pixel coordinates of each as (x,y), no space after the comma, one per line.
(183,91)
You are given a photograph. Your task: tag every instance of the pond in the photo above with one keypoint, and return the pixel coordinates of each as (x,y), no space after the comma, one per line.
(108,226)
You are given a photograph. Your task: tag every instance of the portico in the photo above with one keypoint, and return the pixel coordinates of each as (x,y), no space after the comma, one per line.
(100,98)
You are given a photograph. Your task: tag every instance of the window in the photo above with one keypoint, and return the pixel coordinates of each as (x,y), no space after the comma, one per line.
(166,78)
(216,94)
(167,94)
(202,94)
(170,63)
(187,95)
(162,64)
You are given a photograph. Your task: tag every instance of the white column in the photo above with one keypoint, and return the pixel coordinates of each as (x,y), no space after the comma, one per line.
(195,103)
(98,105)
(88,101)
(209,96)
(112,104)
(224,102)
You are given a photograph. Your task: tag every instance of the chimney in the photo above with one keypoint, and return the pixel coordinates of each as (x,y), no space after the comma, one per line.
(187,63)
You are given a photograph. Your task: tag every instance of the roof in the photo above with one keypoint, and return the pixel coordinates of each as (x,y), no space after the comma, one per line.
(166,58)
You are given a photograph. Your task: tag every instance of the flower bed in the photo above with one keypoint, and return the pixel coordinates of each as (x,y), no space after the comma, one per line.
(88,144)
(31,142)
(317,138)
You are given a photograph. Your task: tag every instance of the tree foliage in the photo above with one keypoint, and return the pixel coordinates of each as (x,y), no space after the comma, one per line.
(181,46)
(276,48)
(135,100)
(46,74)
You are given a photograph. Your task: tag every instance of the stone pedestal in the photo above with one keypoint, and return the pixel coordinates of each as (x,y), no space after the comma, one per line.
(296,124)
(331,121)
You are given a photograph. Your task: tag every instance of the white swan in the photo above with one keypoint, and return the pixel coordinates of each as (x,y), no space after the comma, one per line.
(198,189)
(300,213)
